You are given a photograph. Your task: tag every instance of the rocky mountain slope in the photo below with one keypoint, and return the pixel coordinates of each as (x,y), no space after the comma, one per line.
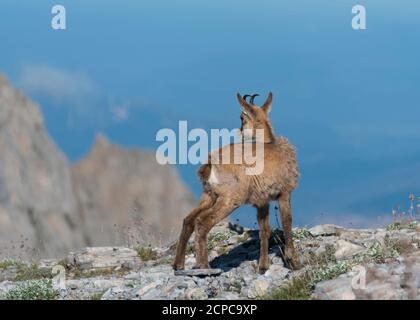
(126,197)
(337,263)
(38,208)
(48,207)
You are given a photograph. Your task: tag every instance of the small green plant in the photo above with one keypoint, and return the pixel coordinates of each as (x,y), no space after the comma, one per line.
(166,260)
(41,289)
(31,272)
(190,248)
(217,238)
(320,267)
(376,253)
(9,263)
(96,296)
(328,256)
(25,271)
(146,253)
(324,258)
(395,226)
(300,233)
(236,286)
(331,271)
(300,287)
(413,225)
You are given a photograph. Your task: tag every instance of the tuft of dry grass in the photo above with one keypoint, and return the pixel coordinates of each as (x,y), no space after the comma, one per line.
(25,271)
(146,253)
(297,288)
(103,272)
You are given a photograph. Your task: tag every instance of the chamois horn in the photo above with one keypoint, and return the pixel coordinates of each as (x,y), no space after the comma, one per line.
(253,97)
(246,96)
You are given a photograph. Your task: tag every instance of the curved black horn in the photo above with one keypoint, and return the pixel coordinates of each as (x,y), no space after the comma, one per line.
(253,97)
(246,96)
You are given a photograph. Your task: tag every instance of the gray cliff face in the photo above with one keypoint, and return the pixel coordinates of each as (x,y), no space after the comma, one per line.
(126,197)
(48,208)
(38,213)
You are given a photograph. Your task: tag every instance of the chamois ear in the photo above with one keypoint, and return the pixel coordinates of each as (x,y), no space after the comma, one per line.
(267,104)
(246,108)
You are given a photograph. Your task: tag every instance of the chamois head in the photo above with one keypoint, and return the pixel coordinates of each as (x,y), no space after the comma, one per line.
(254,117)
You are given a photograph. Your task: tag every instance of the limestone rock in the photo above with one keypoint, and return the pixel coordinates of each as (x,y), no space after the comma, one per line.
(104,258)
(392,281)
(259,288)
(196,294)
(346,249)
(337,289)
(325,230)
(146,288)
(387,269)
(277,272)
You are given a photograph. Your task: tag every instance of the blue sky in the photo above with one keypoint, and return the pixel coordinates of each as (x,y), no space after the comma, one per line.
(349,100)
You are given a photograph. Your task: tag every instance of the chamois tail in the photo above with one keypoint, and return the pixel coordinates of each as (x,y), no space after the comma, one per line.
(204,171)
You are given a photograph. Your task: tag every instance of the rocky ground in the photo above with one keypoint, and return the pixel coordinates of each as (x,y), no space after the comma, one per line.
(338,263)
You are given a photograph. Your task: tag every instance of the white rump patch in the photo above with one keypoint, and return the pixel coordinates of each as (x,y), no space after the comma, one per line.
(213,177)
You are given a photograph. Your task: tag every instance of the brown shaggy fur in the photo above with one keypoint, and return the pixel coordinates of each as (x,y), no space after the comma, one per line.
(227,187)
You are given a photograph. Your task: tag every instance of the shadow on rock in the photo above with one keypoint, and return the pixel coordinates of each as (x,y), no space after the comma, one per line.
(249,251)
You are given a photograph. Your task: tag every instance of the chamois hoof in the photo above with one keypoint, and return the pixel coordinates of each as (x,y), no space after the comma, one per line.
(177,266)
(262,270)
(202,266)
(293,260)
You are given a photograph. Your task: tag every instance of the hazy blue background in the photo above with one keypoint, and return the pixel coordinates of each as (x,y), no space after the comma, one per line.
(348,100)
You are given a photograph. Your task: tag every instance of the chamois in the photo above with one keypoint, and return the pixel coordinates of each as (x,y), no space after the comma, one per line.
(227,187)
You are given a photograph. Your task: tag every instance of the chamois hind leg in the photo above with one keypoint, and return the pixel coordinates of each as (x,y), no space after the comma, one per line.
(187,230)
(203,224)
(286,221)
(264,224)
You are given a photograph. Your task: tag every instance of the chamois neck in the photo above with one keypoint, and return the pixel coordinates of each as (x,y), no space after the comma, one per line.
(269,136)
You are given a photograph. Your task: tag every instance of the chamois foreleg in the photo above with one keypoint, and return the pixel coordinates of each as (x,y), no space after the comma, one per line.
(286,221)
(264,225)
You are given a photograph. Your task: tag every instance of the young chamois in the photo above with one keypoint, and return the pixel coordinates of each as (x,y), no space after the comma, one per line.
(227,186)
